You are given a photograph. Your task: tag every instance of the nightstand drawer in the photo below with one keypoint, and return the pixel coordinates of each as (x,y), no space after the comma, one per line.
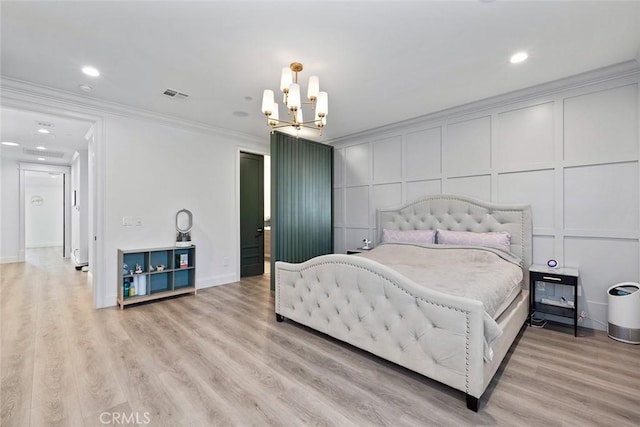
(554,278)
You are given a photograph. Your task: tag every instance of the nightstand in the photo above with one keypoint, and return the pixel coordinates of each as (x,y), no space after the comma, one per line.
(554,291)
(357,251)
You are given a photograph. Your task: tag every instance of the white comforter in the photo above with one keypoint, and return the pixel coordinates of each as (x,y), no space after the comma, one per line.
(484,274)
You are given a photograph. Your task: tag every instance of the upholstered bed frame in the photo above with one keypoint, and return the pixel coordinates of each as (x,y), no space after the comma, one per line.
(371,306)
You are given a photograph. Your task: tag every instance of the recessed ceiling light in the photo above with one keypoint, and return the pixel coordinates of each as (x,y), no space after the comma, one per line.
(42,159)
(516,58)
(41,147)
(90,71)
(85,88)
(10,144)
(44,131)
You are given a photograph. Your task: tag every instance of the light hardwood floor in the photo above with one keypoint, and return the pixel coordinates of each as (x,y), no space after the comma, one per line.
(220,358)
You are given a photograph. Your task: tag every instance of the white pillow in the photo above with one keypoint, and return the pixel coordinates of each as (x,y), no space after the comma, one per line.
(408,236)
(495,239)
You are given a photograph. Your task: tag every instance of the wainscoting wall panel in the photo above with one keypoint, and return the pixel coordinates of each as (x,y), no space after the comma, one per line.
(425,147)
(602,197)
(537,186)
(569,149)
(472,186)
(417,189)
(387,160)
(467,147)
(524,137)
(602,125)
(356,162)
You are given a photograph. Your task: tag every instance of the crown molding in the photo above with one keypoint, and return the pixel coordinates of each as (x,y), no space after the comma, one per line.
(601,75)
(30,93)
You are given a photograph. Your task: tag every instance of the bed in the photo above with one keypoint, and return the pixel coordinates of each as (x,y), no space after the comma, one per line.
(387,303)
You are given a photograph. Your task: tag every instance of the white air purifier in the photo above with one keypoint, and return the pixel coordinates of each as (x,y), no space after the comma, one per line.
(624,312)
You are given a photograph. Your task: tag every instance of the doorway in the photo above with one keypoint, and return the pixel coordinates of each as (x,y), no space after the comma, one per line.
(251,214)
(75,130)
(44,218)
(44,214)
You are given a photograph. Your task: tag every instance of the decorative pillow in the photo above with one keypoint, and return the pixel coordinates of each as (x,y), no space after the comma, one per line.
(408,236)
(495,239)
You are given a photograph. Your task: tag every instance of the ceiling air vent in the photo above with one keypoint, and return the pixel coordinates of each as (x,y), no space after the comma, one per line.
(43,153)
(175,94)
(44,124)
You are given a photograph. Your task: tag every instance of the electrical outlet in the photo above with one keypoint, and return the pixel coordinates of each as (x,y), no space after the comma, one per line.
(225,262)
(127,221)
(138,221)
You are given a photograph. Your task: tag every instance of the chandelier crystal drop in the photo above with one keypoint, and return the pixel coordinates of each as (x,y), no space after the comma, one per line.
(290,88)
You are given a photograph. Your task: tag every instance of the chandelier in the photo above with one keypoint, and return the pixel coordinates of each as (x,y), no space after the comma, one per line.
(291,97)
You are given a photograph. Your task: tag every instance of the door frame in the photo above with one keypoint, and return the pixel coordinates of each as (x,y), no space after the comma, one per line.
(22,97)
(239,149)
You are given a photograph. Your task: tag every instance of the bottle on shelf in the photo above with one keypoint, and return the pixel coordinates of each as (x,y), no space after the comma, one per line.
(141,287)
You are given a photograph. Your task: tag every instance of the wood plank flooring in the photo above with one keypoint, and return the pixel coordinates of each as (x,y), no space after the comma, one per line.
(220,358)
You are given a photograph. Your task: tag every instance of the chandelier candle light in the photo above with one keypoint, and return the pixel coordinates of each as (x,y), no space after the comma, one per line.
(289,86)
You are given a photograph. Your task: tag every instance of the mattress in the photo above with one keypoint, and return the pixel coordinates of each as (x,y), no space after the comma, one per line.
(488,275)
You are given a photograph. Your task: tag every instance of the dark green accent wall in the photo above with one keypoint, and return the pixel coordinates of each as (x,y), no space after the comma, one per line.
(301,199)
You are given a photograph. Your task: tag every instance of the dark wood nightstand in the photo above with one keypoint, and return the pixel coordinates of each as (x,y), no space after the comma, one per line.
(357,251)
(562,306)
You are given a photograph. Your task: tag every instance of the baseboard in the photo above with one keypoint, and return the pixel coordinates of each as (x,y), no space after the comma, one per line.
(9,259)
(44,245)
(209,282)
(109,301)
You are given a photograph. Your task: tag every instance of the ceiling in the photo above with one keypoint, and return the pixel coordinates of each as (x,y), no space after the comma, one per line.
(65,137)
(381,62)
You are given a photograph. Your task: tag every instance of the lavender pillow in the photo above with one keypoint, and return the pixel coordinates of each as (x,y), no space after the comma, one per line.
(408,236)
(495,239)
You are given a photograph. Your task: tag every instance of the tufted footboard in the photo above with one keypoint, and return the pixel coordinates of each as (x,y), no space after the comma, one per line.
(372,307)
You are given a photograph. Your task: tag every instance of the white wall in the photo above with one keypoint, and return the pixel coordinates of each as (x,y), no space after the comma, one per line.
(10,211)
(570,152)
(43,224)
(80,212)
(152,171)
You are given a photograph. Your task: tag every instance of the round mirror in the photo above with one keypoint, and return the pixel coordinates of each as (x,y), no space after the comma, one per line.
(184,221)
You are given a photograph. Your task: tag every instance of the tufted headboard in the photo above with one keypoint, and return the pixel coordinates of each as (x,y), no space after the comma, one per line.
(460,213)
